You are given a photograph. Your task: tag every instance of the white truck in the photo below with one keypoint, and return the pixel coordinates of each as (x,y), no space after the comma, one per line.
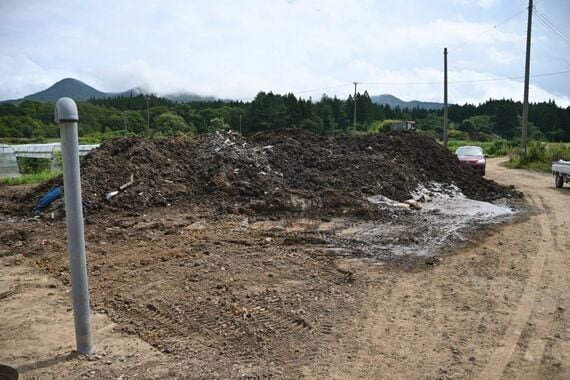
(561,172)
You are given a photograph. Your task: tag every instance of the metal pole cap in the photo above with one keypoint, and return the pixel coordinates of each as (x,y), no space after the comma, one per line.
(66,110)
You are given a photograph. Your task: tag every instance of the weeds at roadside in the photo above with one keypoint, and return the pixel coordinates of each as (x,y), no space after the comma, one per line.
(31,178)
(539,156)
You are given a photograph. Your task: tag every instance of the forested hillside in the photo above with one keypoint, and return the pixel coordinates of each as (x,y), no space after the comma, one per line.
(104,118)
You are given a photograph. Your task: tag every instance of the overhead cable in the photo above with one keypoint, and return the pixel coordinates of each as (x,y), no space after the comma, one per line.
(462,45)
(464,81)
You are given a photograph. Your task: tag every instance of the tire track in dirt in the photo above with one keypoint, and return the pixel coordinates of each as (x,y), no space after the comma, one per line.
(540,353)
(508,344)
(522,352)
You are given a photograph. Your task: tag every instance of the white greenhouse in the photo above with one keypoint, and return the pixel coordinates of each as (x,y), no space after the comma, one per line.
(8,162)
(9,155)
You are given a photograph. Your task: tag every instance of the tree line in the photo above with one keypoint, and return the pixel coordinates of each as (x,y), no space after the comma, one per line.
(155,116)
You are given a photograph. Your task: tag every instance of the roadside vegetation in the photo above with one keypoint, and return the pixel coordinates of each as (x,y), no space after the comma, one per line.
(30,178)
(540,156)
(35,170)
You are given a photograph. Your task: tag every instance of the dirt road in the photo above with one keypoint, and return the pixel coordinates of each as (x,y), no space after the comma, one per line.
(497,308)
(176,296)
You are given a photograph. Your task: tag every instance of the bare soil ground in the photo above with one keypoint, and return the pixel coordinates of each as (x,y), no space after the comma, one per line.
(179,294)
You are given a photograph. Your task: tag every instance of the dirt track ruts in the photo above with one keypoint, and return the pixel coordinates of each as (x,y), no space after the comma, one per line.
(497,307)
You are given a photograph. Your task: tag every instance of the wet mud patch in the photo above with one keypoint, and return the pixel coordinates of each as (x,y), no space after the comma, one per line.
(407,236)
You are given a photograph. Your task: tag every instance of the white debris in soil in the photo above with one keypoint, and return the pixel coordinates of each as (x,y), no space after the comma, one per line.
(385,201)
(449,200)
(446,216)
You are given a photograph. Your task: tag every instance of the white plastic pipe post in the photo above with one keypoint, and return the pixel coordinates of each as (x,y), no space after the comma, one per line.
(66,116)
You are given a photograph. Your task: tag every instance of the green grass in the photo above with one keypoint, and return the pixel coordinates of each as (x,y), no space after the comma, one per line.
(31,178)
(539,156)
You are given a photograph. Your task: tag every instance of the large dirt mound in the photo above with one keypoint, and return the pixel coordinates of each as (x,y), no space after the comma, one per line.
(280,171)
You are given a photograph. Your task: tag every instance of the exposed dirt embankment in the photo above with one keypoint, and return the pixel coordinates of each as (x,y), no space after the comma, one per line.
(280,171)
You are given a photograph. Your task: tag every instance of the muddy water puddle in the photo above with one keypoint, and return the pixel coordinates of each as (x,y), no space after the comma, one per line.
(441,222)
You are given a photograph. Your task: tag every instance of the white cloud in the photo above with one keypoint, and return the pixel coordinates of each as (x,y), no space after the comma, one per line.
(501,56)
(21,76)
(235,49)
(478,3)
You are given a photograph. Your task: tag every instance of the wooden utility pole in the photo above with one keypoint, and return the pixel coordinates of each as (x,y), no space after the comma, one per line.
(445,121)
(147,116)
(125,122)
(354,124)
(526,82)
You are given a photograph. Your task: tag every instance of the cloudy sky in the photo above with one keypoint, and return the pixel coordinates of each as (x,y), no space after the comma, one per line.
(235,48)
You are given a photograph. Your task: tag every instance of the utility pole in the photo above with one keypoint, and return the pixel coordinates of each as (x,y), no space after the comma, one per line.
(147,116)
(125,122)
(240,124)
(445,121)
(354,124)
(526,82)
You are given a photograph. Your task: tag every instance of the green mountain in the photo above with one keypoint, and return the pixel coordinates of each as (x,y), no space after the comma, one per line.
(78,90)
(393,102)
(68,87)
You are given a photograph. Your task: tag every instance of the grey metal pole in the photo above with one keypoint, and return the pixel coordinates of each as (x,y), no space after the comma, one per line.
(445,121)
(66,116)
(526,82)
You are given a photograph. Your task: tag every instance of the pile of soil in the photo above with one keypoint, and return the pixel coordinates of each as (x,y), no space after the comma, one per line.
(279,171)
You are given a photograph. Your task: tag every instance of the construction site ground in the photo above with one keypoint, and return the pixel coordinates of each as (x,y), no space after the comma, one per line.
(175,295)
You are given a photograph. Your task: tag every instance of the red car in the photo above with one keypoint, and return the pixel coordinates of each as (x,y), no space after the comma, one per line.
(473,156)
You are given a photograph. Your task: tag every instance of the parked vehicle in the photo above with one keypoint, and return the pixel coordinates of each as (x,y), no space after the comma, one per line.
(561,172)
(472,156)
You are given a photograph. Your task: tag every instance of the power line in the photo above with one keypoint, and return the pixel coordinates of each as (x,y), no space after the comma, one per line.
(549,20)
(463,81)
(460,46)
(548,24)
(439,83)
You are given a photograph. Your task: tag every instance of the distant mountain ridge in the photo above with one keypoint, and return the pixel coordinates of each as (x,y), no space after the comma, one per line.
(78,90)
(393,102)
(69,87)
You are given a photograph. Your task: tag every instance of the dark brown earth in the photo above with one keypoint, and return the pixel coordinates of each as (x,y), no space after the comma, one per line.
(287,171)
(231,292)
